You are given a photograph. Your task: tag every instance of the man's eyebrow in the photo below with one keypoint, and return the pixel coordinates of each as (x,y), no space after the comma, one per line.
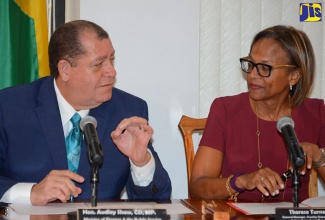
(100,58)
(104,57)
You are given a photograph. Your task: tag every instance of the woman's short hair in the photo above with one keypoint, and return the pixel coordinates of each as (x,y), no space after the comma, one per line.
(299,50)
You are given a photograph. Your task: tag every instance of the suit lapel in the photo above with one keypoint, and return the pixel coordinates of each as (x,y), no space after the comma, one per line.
(50,119)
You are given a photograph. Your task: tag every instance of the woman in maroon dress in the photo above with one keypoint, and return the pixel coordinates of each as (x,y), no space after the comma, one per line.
(241,152)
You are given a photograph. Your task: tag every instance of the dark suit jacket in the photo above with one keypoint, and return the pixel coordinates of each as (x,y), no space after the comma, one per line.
(32,142)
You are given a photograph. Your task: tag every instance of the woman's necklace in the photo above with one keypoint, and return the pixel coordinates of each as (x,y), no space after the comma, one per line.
(258,133)
(259,164)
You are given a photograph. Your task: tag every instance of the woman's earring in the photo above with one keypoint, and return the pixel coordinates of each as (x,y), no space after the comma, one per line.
(290,87)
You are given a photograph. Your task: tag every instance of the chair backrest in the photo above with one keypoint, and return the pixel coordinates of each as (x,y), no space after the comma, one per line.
(188,125)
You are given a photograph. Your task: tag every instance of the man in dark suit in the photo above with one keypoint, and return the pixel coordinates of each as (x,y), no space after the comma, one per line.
(35,121)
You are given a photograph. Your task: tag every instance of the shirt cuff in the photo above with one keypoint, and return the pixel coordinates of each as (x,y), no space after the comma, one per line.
(142,176)
(18,194)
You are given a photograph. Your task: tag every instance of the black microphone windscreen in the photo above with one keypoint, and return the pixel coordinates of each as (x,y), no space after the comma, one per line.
(283,122)
(87,120)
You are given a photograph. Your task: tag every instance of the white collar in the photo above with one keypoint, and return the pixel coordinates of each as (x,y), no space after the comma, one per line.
(66,110)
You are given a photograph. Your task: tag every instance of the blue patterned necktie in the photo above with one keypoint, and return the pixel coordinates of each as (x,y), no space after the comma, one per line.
(73,144)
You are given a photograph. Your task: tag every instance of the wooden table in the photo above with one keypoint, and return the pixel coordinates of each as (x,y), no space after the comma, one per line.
(221,207)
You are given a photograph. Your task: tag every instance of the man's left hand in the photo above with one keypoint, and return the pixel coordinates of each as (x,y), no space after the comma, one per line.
(131,137)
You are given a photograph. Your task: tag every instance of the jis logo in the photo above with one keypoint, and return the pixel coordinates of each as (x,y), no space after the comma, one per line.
(310,12)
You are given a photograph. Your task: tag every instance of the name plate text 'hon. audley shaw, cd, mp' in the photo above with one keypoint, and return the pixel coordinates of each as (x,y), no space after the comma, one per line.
(121,214)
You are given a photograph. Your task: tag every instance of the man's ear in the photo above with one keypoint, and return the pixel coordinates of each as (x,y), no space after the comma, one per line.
(64,68)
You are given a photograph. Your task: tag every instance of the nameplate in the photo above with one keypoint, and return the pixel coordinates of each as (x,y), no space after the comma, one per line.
(299,213)
(121,214)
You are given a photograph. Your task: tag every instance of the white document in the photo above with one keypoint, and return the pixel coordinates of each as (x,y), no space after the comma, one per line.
(64,208)
(171,208)
(318,201)
(269,208)
(49,209)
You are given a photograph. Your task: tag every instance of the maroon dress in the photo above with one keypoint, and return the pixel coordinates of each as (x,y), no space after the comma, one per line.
(231,128)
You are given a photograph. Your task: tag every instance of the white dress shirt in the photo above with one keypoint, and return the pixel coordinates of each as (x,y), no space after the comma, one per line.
(20,192)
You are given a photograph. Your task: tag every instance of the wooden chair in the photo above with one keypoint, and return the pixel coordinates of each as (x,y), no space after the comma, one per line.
(313,185)
(188,125)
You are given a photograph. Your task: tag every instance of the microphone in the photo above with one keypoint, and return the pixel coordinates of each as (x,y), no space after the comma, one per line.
(88,125)
(285,125)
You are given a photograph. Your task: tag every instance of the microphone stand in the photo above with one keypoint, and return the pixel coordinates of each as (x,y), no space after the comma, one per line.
(297,162)
(296,156)
(95,162)
(94,183)
(295,184)
(95,155)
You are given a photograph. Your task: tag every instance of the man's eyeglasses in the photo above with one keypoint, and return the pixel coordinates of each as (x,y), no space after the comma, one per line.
(263,70)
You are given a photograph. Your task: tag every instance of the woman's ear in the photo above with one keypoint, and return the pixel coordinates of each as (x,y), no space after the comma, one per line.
(294,77)
(64,68)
